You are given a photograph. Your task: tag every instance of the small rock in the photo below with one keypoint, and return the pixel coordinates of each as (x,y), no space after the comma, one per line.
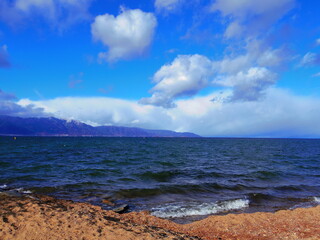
(121,209)
(108,202)
(11,193)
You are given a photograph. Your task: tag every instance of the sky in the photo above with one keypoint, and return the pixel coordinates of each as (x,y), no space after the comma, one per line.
(217,68)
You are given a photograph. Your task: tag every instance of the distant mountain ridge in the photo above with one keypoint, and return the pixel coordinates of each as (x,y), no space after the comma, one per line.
(57,127)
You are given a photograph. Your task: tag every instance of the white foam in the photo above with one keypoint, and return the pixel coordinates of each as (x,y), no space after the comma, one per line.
(178,210)
(3,186)
(316,199)
(21,190)
(26,192)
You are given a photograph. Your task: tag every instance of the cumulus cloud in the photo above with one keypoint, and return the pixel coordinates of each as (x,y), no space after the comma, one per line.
(127,35)
(279,114)
(248,17)
(167,5)
(251,73)
(249,67)
(248,86)
(247,75)
(185,76)
(4,58)
(59,13)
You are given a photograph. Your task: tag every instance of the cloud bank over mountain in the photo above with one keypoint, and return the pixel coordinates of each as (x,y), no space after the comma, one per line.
(279,114)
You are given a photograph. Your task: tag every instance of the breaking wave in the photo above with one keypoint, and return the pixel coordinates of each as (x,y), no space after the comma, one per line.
(178,210)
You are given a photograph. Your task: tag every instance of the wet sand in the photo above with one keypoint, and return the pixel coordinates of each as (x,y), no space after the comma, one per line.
(42,218)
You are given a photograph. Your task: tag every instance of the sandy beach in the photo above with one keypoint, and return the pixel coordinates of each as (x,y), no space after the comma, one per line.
(42,217)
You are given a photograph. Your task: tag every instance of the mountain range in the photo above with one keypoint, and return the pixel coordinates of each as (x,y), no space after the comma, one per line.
(12,126)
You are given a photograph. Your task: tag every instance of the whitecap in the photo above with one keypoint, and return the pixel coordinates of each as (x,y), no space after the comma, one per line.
(26,192)
(316,199)
(21,190)
(3,186)
(178,210)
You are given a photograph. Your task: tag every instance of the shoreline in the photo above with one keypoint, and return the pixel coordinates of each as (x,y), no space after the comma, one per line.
(42,217)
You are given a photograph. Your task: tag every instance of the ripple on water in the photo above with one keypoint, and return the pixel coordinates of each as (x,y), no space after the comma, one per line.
(269,172)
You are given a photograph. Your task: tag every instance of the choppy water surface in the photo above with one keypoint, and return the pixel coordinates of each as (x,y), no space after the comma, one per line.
(182,178)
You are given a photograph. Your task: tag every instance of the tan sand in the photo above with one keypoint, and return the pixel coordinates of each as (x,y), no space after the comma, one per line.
(48,218)
(302,223)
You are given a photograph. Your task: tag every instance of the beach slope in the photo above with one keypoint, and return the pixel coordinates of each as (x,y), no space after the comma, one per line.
(42,217)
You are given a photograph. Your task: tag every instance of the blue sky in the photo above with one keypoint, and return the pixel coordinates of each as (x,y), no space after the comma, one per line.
(217,68)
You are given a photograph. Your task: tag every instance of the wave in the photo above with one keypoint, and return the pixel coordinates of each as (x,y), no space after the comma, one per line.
(178,210)
(22,190)
(182,189)
(162,176)
(260,197)
(6,189)
(307,203)
(266,175)
(291,188)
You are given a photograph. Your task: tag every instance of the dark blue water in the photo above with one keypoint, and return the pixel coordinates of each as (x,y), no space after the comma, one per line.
(172,177)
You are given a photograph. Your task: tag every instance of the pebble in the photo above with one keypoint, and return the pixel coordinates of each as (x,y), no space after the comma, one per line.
(121,209)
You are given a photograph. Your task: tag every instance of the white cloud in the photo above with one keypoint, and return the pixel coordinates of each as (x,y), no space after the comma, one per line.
(8,106)
(233,65)
(185,76)
(127,35)
(234,30)
(310,59)
(255,55)
(250,73)
(29,5)
(103,111)
(249,85)
(250,66)
(247,75)
(318,41)
(279,114)
(249,17)
(272,57)
(167,5)
(59,13)
(241,8)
